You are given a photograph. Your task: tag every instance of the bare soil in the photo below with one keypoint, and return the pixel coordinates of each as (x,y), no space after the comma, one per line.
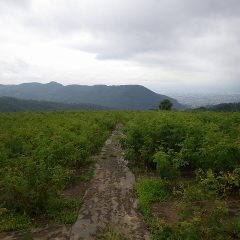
(110,200)
(168,210)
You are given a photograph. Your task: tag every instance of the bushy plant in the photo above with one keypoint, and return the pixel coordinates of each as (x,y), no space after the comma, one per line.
(39,155)
(198,140)
(165,165)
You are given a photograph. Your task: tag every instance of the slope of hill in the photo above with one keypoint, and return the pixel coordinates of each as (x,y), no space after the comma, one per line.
(118,97)
(223,107)
(9,104)
(227,107)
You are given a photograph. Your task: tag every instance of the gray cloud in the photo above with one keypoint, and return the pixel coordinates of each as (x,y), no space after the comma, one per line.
(143,29)
(184,36)
(15,67)
(9,5)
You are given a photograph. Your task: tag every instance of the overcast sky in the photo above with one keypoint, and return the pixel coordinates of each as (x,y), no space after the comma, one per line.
(165,45)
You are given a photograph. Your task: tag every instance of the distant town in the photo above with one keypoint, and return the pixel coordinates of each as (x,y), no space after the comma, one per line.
(197,100)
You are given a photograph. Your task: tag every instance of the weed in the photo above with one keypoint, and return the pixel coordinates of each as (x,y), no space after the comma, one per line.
(109,233)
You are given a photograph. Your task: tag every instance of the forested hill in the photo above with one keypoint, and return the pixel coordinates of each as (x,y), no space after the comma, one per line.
(117,97)
(9,104)
(223,107)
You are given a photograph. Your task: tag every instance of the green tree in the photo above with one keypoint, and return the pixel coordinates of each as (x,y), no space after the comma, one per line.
(165,104)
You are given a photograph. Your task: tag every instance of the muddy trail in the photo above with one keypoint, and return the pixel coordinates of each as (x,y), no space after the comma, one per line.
(109,210)
(110,201)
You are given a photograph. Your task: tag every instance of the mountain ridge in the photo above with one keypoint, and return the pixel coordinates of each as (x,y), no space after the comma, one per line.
(10,104)
(222,107)
(114,96)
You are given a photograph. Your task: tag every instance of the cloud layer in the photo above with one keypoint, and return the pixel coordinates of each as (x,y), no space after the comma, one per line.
(165,43)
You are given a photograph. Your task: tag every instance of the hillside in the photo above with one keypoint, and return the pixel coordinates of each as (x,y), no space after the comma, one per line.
(226,107)
(9,104)
(223,107)
(118,97)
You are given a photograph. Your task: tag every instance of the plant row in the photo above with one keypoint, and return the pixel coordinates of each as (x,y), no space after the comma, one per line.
(40,153)
(189,167)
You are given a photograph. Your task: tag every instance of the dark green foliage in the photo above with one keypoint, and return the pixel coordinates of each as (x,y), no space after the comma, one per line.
(13,221)
(170,142)
(174,140)
(40,152)
(39,155)
(165,104)
(223,107)
(9,104)
(166,165)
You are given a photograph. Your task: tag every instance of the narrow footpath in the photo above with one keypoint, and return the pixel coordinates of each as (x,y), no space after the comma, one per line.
(110,201)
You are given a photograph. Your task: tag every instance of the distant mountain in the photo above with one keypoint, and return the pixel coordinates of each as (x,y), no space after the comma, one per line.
(117,97)
(223,107)
(9,104)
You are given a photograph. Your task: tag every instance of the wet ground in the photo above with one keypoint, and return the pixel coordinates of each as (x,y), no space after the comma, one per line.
(110,198)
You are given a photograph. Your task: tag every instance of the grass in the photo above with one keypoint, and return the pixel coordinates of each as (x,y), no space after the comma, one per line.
(13,221)
(66,211)
(151,190)
(88,174)
(109,233)
(148,191)
(195,221)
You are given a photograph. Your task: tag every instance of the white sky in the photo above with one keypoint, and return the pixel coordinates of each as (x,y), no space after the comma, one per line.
(166,45)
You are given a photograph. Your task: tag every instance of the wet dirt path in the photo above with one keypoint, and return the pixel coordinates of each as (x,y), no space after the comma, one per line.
(110,199)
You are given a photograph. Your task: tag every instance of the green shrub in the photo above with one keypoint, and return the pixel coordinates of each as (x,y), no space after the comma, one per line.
(165,165)
(39,155)
(151,190)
